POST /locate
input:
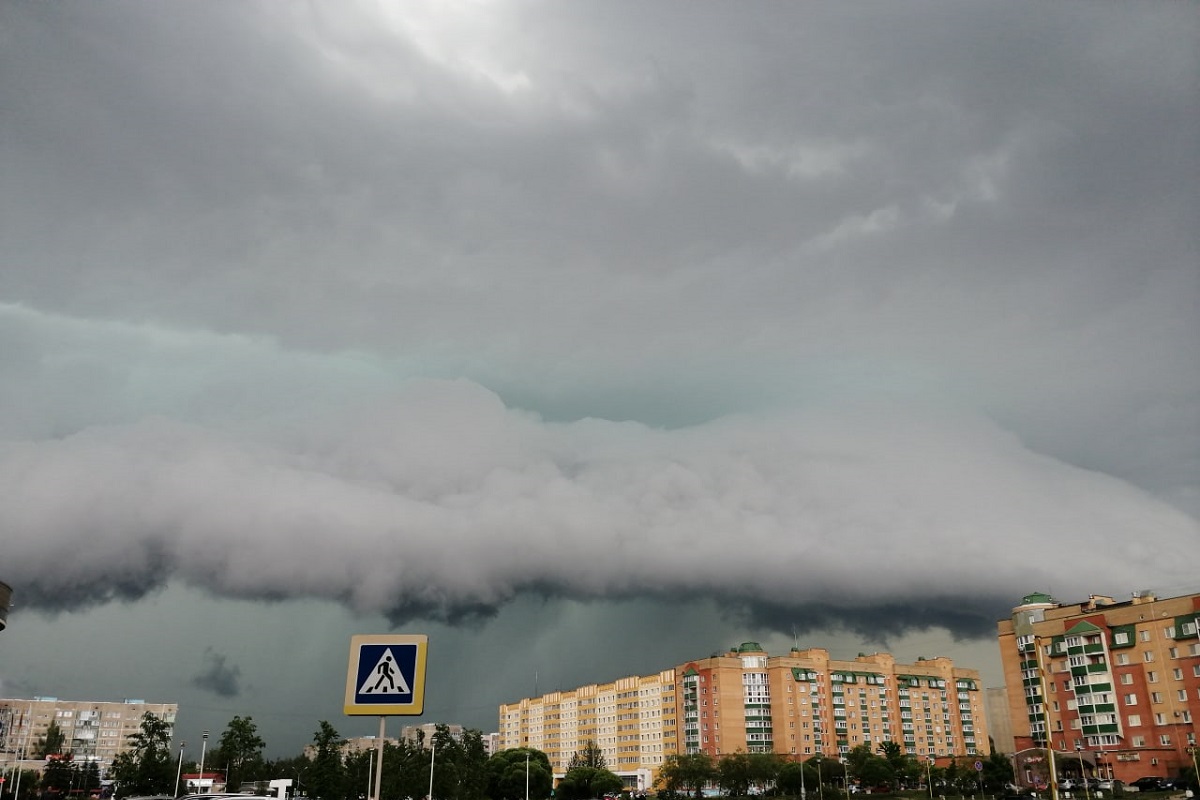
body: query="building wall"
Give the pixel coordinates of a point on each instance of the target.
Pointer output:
(93, 730)
(797, 705)
(1112, 685)
(806, 703)
(631, 720)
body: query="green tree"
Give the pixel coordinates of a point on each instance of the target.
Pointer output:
(326, 777)
(790, 781)
(764, 770)
(583, 782)
(733, 774)
(146, 766)
(997, 770)
(52, 743)
(689, 773)
(58, 774)
(240, 750)
(508, 771)
(589, 756)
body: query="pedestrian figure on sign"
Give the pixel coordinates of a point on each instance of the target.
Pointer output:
(385, 674)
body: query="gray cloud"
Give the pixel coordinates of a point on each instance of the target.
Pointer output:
(218, 676)
(821, 317)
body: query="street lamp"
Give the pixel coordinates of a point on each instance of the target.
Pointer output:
(929, 775)
(1083, 778)
(846, 767)
(203, 748)
(803, 791)
(820, 781)
(179, 769)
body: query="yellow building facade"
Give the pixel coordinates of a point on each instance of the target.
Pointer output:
(92, 730)
(797, 705)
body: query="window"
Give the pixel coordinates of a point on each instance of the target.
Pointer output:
(1156, 697)
(1145, 635)
(1134, 720)
(1131, 699)
(1147, 655)
(1160, 719)
(1122, 659)
(1181, 695)
(1121, 637)
(1165, 739)
(1151, 677)
(1139, 741)
(1127, 679)
(1177, 674)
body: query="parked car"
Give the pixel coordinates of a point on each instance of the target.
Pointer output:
(1110, 785)
(1147, 783)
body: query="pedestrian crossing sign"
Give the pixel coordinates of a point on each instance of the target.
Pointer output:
(386, 675)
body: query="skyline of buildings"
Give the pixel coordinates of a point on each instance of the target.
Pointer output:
(797, 705)
(92, 730)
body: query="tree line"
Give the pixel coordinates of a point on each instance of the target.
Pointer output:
(459, 768)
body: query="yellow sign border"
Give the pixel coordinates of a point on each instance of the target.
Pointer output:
(416, 707)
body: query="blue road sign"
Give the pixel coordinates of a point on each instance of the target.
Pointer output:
(386, 676)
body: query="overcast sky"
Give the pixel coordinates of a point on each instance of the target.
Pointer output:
(585, 337)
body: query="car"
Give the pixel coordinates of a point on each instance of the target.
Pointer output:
(1109, 785)
(1067, 784)
(1147, 783)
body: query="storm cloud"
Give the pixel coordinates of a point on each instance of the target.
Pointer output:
(860, 319)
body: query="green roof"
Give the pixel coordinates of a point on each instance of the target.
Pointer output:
(1036, 597)
(750, 647)
(1084, 627)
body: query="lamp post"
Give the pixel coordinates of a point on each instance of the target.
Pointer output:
(803, 791)
(929, 775)
(432, 756)
(179, 769)
(820, 781)
(1083, 778)
(526, 775)
(845, 766)
(203, 748)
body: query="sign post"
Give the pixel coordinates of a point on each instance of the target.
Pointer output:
(386, 676)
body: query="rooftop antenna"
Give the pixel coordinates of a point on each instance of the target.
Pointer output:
(535, 682)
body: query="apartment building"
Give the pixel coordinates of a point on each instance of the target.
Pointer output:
(805, 703)
(798, 705)
(92, 730)
(631, 720)
(1112, 687)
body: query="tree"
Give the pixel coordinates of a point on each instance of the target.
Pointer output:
(733, 774)
(52, 743)
(589, 756)
(689, 772)
(240, 749)
(510, 771)
(327, 775)
(789, 779)
(583, 782)
(146, 767)
(56, 777)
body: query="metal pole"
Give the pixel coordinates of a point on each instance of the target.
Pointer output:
(1037, 651)
(526, 775)
(370, 772)
(179, 769)
(379, 766)
(432, 752)
(1087, 794)
(203, 748)
(929, 775)
(820, 781)
(803, 791)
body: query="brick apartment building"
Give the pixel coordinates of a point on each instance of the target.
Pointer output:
(1113, 687)
(92, 730)
(797, 705)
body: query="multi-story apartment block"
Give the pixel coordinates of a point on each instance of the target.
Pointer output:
(806, 703)
(797, 705)
(631, 720)
(1110, 687)
(92, 731)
